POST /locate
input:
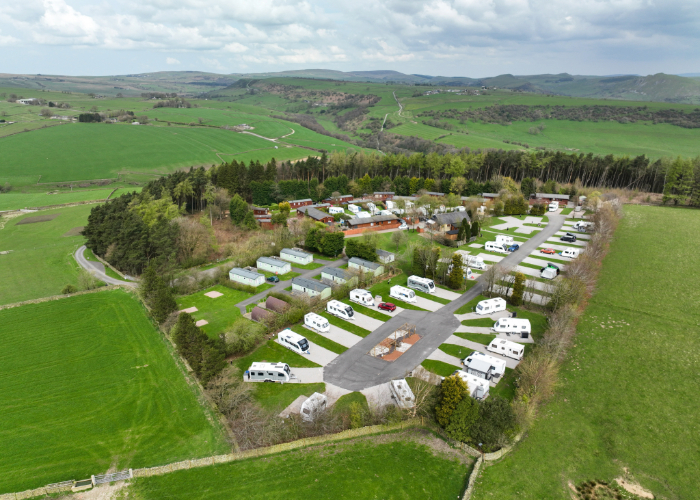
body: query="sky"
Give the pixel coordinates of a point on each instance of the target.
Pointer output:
(474, 38)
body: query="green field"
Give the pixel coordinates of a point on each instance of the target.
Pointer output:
(394, 466)
(439, 367)
(276, 397)
(220, 312)
(272, 352)
(88, 384)
(619, 405)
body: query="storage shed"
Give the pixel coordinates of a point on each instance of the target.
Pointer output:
(296, 256)
(246, 277)
(366, 266)
(311, 288)
(275, 304)
(273, 265)
(259, 314)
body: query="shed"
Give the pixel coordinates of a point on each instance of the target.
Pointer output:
(365, 266)
(335, 275)
(296, 256)
(312, 288)
(273, 265)
(385, 257)
(275, 304)
(246, 277)
(259, 314)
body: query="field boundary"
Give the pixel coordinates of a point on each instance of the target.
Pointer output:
(59, 297)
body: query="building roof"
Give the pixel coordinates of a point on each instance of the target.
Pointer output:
(553, 196)
(299, 201)
(490, 195)
(383, 253)
(364, 263)
(314, 213)
(367, 220)
(314, 285)
(435, 193)
(480, 365)
(384, 192)
(273, 262)
(319, 205)
(453, 231)
(245, 273)
(295, 252)
(258, 313)
(334, 271)
(275, 304)
(260, 208)
(451, 218)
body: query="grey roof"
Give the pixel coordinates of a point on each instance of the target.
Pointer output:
(383, 253)
(245, 273)
(451, 218)
(273, 262)
(480, 365)
(334, 271)
(261, 208)
(553, 196)
(275, 304)
(298, 201)
(376, 218)
(384, 192)
(311, 284)
(490, 195)
(364, 263)
(314, 213)
(296, 253)
(435, 193)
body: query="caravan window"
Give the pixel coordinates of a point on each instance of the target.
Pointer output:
(303, 344)
(286, 368)
(411, 294)
(261, 374)
(431, 285)
(280, 375)
(349, 311)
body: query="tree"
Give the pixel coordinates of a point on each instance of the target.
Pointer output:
(237, 210)
(496, 420)
(249, 220)
(475, 229)
(550, 187)
(518, 289)
(398, 238)
(452, 391)
(46, 113)
(417, 269)
(367, 250)
(162, 303)
(528, 187)
(332, 243)
(679, 181)
(465, 415)
(279, 218)
(285, 208)
(458, 185)
(457, 273)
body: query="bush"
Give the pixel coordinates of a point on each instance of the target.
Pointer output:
(452, 391)
(238, 286)
(243, 336)
(281, 296)
(68, 289)
(518, 289)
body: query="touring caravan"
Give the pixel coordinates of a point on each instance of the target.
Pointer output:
(402, 293)
(268, 372)
(362, 297)
(478, 387)
(582, 226)
(572, 253)
(492, 246)
(554, 206)
(337, 308)
(317, 323)
(517, 326)
(504, 239)
(293, 341)
(476, 262)
(548, 273)
(507, 348)
(402, 394)
(335, 210)
(390, 204)
(421, 284)
(490, 306)
(353, 208)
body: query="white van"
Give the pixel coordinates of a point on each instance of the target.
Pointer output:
(343, 311)
(517, 326)
(476, 262)
(268, 372)
(421, 284)
(504, 239)
(317, 323)
(548, 273)
(477, 386)
(460, 209)
(492, 246)
(335, 210)
(353, 208)
(572, 253)
(293, 341)
(362, 297)
(507, 348)
(402, 293)
(554, 206)
(490, 306)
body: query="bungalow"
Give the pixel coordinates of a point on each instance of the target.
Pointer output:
(365, 266)
(315, 214)
(261, 212)
(489, 196)
(376, 223)
(384, 195)
(301, 203)
(333, 275)
(385, 257)
(296, 256)
(547, 198)
(246, 277)
(311, 288)
(450, 221)
(273, 265)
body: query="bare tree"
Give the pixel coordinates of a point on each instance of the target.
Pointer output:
(492, 278)
(398, 238)
(192, 239)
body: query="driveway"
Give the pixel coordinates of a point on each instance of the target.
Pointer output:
(447, 294)
(306, 375)
(366, 322)
(98, 269)
(340, 336)
(438, 355)
(540, 262)
(318, 354)
(428, 305)
(555, 256)
(560, 245)
(578, 242)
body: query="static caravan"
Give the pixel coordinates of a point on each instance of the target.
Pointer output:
(402, 394)
(268, 372)
(402, 293)
(271, 265)
(315, 404)
(362, 297)
(478, 387)
(490, 306)
(317, 323)
(504, 239)
(484, 366)
(493, 246)
(476, 262)
(246, 277)
(548, 273)
(296, 256)
(517, 326)
(365, 266)
(572, 253)
(421, 284)
(341, 310)
(507, 348)
(312, 288)
(293, 341)
(353, 208)
(336, 210)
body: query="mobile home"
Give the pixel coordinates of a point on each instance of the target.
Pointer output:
(341, 310)
(507, 348)
(365, 266)
(478, 387)
(362, 297)
(293, 341)
(336, 276)
(493, 246)
(246, 277)
(484, 366)
(421, 284)
(402, 394)
(272, 265)
(402, 293)
(490, 306)
(572, 253)
(296, 256)
(312, 288)
(317, 323)
(336, 210)
(353, 208)
(517, 326)
(268, 372)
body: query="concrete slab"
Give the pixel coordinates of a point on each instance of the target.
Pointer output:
(342, 337)
(528, 271)
(579, 235)
(474, 329)
(306, 375)
(378, 395)
(510, 362)
(317, 354)
(487, 257)
(295, 407)
(494, 316)
(476, 245)
(214, 294)
(438, 355)
(560, 246)
(540, 262)
(366, 322)
(447, 294)
(428, 305)
(189, 310)
(334, 393)
(555, 256)
(527, 229)
(579, 243)
(201, 322)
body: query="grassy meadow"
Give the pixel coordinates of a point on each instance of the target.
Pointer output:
(87, 384)
(220, 313)
(629, 386)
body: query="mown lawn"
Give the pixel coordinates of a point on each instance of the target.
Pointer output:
(439, 367)
(457, 351)
(619, 405)
(349, 326)
(319, 339)
(276, 397)
(479, 322)
(220, 312)
(372, 313)
(272, 352)
(313, 265)
(480, 338)
(87, 384)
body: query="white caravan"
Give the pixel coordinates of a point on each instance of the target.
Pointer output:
(385, 212)
(343, 311)
(390, 204)
(397, 211)
(554, 206)
(421, 284)
(317, 323)
(490, 306)
(460, 209)
(507, 348)
(402, 394)
(335, 210)
(504, 239)
(353, 208)
(492, 246)
(363, 215)
(312, 406)
(362, 297)
(268, 372)
(478, 387)
(548, 273)
(517, 326)
(484, 366)
(572, 253)
(476, 262)
(402, 293)
(582, 226)
(293, 341)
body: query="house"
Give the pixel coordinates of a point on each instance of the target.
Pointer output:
(450, 221)
(275, 304)
(315, 214)
(340, 200)
(365, 266)
(273, 265)
(300, 203)
(312, 288)
(261, 212)
(333, 275)
(546, 199)
(376, 223)
(296, 256)
(385, 257)
(384, 195)
(489, 196)
(259, 314)
(246, 277)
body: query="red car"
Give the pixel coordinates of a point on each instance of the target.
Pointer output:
(387, 306)
(548, 250)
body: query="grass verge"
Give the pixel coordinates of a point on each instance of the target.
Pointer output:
(345, 325)
(319, 339)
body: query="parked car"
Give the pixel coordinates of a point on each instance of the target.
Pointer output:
(568, 237)
(513, 247)
(551, 266)
(403, 226)
(273, 279)
(387, 306)
(549, 251)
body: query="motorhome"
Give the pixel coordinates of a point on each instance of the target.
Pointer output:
(402, 394)
(421, 284)
(572, 253)
(504, 239)
(343, 311)
(582, 226)
(268, 372)
(293, 341)
(554, 206)
(484, 366)
(335, 210)
(362, 297)
(402, 293)
(490, 306)
(317, 323)
(517, 326)
(507, 348)
(492, 246)
(476, 262)
(478, 387)
(548, 273)
(353, 208)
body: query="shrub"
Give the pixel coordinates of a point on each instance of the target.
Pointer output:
(68, 289)
(243, 336)
(462, 420)
(518, 289)
(452, 391)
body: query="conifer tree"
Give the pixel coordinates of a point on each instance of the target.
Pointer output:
(249, 220)
(456, 276)
(452, 391)
(465, 415)
(518, 289)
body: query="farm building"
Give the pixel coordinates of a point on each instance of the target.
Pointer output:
(300, 203)
(311, 288)
(259, 314)
(26, 101)
(384, 195)
(365, 266)
(450, 221)
(246, 277)
(275, 304)
(273, 265)
(385, 257)
(334, 275)
(546, 198)
(315, 214)
(376, 223)
(296, 256)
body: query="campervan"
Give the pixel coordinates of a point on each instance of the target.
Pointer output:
(490, 306)
(335, 210)
(337, 308)
(402, 293)
(317, 323)
(421, 284)
(506, 348)
(478, 387)
(362, 297)
(353, 208)
(517, 326)
(268, 372)
(293, 341)
(548, 273)
(476, 262)
(572, 253)
(554, 206)
(504, 239)
(403, 395)
(492, 246)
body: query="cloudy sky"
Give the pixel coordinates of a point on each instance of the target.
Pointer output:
(473, 38)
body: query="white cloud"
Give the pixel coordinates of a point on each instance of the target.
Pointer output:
(171, 60)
